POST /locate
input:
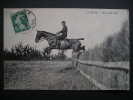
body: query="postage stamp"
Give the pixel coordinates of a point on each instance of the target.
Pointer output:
(22, 21)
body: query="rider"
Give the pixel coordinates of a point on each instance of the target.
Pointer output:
(63, 31)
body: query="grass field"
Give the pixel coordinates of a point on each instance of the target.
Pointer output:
(44, 75)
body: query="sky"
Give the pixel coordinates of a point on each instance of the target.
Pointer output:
(94, 25)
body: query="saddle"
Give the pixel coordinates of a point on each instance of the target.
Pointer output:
(60, 42)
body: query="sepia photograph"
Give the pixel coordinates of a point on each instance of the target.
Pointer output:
(66, 49)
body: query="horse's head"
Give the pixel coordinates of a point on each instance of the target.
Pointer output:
(38, 36)
(46, 35)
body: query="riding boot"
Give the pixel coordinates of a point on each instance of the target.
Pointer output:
(59, 44)
(56, 42)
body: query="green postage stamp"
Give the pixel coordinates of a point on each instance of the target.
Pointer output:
(22, 22)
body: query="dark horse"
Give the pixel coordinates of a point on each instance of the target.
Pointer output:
(74, 44)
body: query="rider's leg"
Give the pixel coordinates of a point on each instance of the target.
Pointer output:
(61, 37)
(58, 42)
(55, 41)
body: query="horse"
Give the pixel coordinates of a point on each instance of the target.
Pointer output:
(65, 44)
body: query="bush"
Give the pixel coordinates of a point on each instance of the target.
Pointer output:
(21, 52)
(60, 56)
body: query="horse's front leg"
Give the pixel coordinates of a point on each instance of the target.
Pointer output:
(49, 51)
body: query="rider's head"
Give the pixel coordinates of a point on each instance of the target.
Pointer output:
(63, 23)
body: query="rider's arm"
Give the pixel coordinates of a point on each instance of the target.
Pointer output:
(63, 29)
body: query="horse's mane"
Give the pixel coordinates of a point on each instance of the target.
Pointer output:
(48, 33)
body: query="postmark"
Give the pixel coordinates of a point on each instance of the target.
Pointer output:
(23, 21)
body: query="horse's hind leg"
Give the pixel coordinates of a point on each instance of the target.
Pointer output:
(82, 48)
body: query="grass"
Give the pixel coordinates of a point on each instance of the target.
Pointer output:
(44, 75)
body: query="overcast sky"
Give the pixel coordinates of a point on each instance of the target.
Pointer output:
(94, 25)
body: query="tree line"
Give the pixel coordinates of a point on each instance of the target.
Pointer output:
(114, 48)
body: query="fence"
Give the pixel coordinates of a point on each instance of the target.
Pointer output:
(104, 75)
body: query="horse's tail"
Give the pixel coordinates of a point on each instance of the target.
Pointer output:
(76, 39)
(80, 39)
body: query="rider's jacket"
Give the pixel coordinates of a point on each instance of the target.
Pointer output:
(64, 31)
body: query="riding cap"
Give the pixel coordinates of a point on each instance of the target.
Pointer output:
(63, 21)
